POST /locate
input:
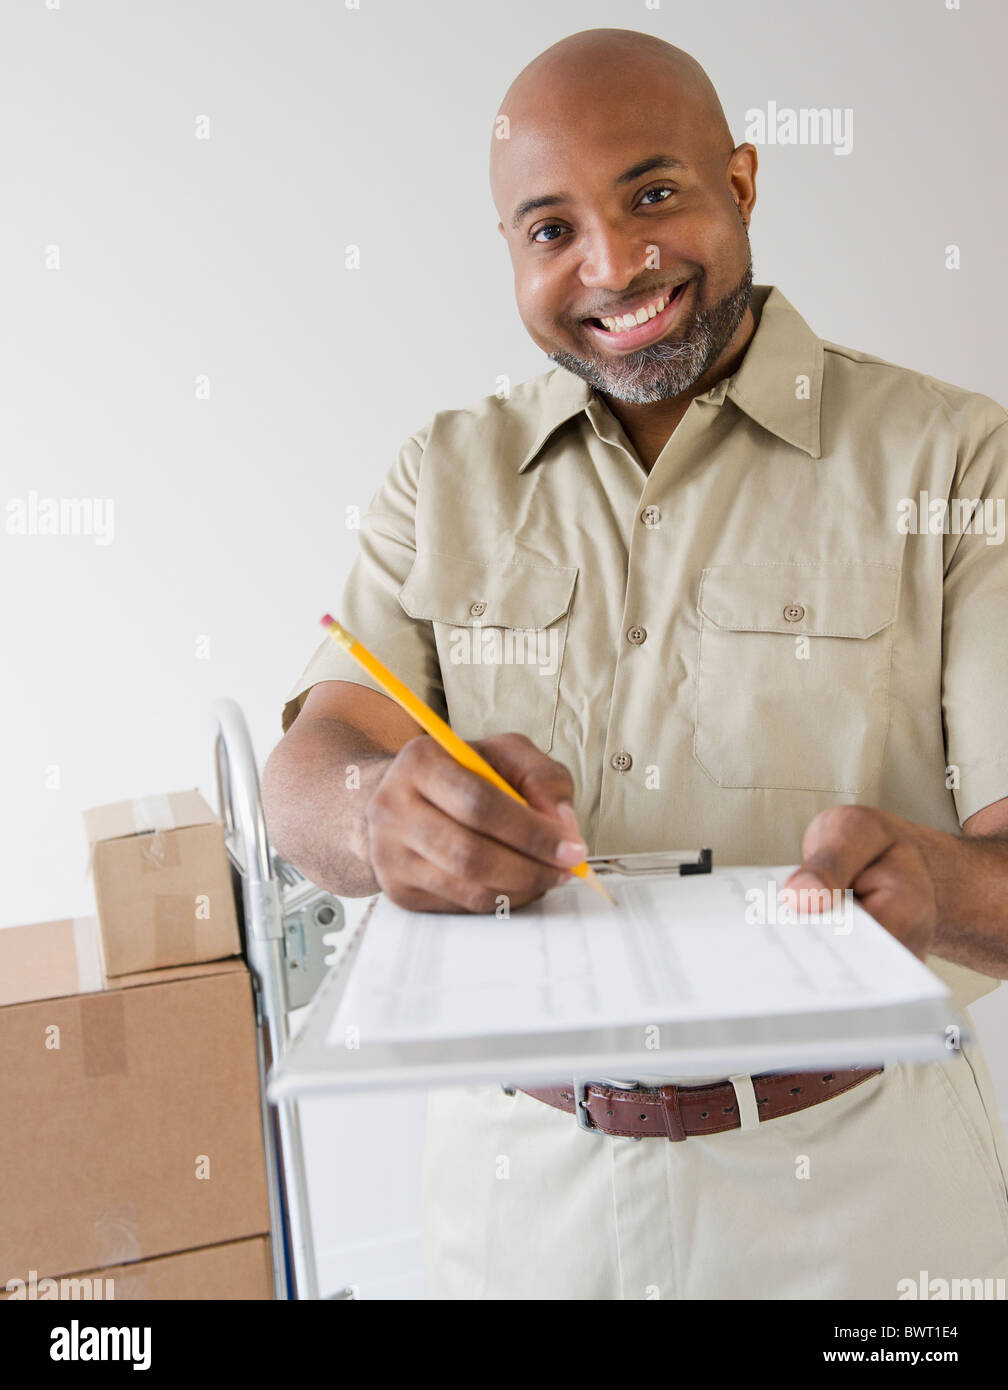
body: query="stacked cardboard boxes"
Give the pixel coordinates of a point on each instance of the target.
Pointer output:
(133, 1159)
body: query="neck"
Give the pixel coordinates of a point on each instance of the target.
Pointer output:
(649, 427)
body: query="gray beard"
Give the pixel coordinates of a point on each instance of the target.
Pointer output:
(662, 371)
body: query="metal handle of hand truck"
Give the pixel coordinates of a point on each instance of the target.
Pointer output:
(240, 807)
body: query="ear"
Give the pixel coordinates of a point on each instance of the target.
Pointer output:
(500, 228)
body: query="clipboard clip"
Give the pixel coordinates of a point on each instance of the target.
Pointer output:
(666, 861)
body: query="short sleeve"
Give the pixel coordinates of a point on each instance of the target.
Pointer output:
(369, 605)
(975, 628)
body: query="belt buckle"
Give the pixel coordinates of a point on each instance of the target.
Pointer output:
(584, 1120)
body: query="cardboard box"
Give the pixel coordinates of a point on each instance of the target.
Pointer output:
(239, 1269)
(131, 1109)
(162, 882)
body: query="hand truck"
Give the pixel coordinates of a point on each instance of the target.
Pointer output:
(284, 921)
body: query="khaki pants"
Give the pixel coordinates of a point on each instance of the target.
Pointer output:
(903, 1174)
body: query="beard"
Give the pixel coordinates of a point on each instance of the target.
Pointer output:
(661, 371)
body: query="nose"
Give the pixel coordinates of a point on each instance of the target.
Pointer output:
(611, 259)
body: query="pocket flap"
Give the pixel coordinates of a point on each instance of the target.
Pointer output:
(821, 600)
(455, 589)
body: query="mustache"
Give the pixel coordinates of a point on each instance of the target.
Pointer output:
(665, 369)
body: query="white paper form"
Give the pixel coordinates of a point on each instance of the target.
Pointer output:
(673, 949)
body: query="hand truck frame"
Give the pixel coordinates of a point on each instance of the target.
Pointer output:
(284, 921)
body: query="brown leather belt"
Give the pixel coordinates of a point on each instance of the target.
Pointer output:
(678, 1112)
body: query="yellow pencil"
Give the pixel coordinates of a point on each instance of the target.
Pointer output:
(434, 725)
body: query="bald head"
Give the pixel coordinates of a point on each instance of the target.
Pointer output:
(607, 77)
(626, 210)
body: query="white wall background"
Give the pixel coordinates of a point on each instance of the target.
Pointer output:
(224, 257)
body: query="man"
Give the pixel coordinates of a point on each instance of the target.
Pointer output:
(700, 516)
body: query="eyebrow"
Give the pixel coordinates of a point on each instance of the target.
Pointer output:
(646, 166)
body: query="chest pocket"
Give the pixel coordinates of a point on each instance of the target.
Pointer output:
(793, 674)
(501, 629)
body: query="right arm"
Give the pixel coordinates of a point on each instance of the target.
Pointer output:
(315, 814)
(410, 821)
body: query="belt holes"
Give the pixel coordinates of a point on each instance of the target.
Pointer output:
(762, 1100)
(703, 1114)
(643, 1117)
(795, 1090)
(727, 1109)
(826, 1079)
(608, 1112)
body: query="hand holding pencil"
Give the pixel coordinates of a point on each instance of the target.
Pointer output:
(466, 756)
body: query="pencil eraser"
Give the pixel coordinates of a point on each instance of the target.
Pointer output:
(328, 620)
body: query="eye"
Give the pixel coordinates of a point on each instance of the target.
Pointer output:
(665, 188)
(662, 194)
(548, 226)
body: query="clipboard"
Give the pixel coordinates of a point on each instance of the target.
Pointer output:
(666, 861)
(493, 1049)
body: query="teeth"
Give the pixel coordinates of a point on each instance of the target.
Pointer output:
(623, 322)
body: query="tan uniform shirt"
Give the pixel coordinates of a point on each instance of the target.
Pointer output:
(717, 651)
(783, 615)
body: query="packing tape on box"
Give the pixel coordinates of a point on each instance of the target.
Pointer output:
(152, 817)
(117, 1236)
(154, 813)
(87, 948)
(174, 928)
(103, 1034)
(158, 851)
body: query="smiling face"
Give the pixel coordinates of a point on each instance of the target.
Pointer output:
(625, 210)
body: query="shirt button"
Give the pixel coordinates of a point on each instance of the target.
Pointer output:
(637, 635)
(650, 516)
(622, 762)
(477, 609)
(794, 612)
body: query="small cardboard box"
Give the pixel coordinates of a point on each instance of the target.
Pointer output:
(162, 882)
(238, 1269)
(131, 1109)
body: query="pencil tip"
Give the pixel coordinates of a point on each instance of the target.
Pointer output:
(593, 880)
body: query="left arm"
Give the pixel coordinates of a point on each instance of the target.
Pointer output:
(937, 893)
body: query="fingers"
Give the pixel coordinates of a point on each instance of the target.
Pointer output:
(898, 892)
(838, 844)
(471, 801)
(865, 849)
(441, 838)
(421, 886)
(468, 871)
(541, 780)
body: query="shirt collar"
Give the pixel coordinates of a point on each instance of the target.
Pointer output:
(778, 384)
